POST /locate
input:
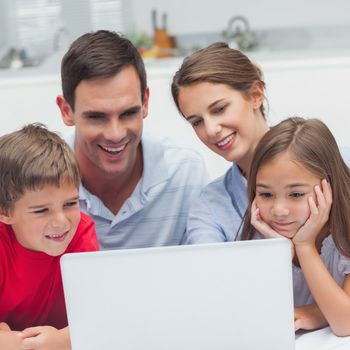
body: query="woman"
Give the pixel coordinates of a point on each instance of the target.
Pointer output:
(221, 93)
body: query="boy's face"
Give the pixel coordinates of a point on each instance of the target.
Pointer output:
(45, 220)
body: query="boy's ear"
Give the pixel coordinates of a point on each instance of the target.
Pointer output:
(5, 218)
(66, 110)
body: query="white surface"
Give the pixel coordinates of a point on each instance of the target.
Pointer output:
(199, 297)
(308, 83)
(193, 16)
(322, 339)
(304, 83)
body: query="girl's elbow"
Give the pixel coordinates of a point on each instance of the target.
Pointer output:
(341, 331)
(340, 325)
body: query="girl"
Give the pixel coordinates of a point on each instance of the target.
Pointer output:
(220, 92)
(299, 188)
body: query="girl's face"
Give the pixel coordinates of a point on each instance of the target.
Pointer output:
(282, 189)
(225, 120)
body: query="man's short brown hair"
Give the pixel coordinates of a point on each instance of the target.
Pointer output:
(99, 54)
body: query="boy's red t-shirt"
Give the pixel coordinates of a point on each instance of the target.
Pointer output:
(31, 291)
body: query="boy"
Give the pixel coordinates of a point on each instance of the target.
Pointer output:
(40, 220)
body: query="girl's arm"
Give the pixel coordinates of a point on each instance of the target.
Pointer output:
(333, 301)
(309, 317)
(46, 338)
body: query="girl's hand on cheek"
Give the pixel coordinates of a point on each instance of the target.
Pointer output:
(262, 227)
(319, 215)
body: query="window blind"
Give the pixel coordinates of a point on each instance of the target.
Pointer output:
(37, 23)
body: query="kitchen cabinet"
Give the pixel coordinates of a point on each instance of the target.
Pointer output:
(314, 88)
(308, 85)
(29, 99)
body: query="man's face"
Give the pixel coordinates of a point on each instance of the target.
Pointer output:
(108, 117)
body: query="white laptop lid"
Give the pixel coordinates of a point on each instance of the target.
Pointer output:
(235, 295)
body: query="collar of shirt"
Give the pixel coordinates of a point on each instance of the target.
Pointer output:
(155, 172)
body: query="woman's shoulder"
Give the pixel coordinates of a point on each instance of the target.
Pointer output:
(215, 197)
(231, 184)
(216, 187)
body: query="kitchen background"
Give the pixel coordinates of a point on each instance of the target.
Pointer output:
(302, 46)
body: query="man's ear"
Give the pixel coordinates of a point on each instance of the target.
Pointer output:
(145, 103)
(66, 110)
(5, 218)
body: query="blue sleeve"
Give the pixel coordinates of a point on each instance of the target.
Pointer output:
(212, 216)
(201, 224)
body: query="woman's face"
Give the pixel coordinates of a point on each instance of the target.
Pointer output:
(224, 119)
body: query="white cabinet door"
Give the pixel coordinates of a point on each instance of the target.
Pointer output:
(28, 100)
(313, 92)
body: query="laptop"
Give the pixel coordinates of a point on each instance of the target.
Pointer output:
(221, 296)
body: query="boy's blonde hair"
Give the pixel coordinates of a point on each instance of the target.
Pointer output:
(31, 158)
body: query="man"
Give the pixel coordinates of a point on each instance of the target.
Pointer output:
(137, 188)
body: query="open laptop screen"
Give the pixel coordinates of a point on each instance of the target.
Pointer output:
(235, 295)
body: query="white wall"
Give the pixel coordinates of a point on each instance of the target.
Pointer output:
(309, 87)
(194, 16)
